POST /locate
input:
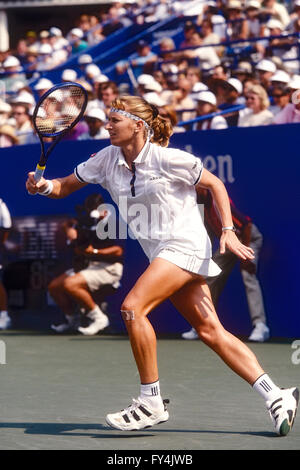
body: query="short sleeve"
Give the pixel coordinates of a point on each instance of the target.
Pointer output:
(93, 170)
(5, 218)
(184, 166)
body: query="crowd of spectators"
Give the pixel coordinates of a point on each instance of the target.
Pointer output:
(237, 65)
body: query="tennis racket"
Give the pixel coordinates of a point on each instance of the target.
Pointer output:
(56, 113)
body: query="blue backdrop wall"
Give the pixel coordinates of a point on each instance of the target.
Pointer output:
(260, 168)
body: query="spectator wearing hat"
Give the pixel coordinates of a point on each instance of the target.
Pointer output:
(167, 53)
(95, 119)
(32, 60)
(5, 110)
(8, 136)
(265, 69)
(59, 46)
(283, 47)
(237, 25)
(242, 71)
(141, 62)
(294, 25)
(277, 11)
(13, 72)
(76, 40)
(233, 97)
(45, 58)
(256, 112)
(280, 94)
(69, 75)
(43, 85)
(207, 104)
(256, 25)
(91, 71)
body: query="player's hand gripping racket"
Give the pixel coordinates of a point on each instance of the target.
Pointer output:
(58, 110)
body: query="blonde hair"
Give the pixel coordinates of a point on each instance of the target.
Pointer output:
(161, 127)
(262, 94)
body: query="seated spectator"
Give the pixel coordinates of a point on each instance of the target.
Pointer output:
(207, 104)
(91, 72)
(206, 56)
(265, 69)
(95, 33)
(219, 71)
(280, 77)
(257, 112)
(277, 11)
(45, 58)
(285, 48)
(8, 136)
(76, 40)
(237, 25)
(233, 97)
(141, 62)
(294, 25)
(69, 75)
(182, 102)
(212, 12)
(12, 69)
(256, 25)
(281, 97)
(290, 114)
(5, 110)
(42, 86)
(107, 93)
(188, 30)
(113, 22)
(209, 37)
(167, 54)
(242, 71)
(95, 119)
(23, 123)
(59, 46)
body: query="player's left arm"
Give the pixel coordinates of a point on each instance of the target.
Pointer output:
(228, 238)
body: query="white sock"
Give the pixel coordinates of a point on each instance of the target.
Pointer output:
(266, 387)
(96, 311)
(151, 394)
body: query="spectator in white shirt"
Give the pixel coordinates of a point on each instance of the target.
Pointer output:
(96, 120)
(207, 104)
(257, 112)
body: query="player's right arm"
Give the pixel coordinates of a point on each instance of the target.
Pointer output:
(62, 187)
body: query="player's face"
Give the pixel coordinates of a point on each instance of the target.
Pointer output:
(121, 129)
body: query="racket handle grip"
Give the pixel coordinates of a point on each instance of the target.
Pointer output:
(39, 171)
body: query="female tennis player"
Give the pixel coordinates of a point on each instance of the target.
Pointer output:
(141, 175)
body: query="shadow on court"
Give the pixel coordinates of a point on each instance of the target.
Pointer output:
(104, 432)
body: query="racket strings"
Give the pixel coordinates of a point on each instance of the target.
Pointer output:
(59, 110)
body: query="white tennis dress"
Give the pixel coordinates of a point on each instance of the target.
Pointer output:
(158, 202)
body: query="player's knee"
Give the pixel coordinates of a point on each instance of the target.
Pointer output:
(129, 309)
(210, 335)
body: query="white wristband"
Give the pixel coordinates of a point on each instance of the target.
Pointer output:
(48, 189)
(229, 228)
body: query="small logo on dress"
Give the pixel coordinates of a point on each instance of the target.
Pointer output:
(93, 154)
(153, 178)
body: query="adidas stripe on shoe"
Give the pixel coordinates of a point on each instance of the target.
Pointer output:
(283, 410)
(138, 416)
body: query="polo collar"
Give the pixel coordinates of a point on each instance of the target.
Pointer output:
(139, 159)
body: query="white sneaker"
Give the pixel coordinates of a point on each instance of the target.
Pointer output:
(72, 323)
(191, 334)
(5, 321)
(99, 322)
(283, 410)
(139, 415)
(260, 333)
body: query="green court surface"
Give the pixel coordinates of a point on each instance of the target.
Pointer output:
(56, 391)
